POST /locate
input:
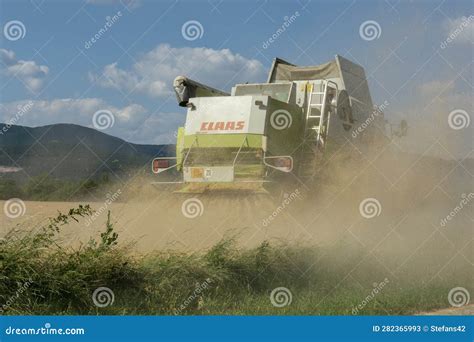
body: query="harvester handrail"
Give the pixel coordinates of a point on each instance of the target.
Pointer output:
(238, 152)
(293, 84)
(335, 85)
(363, 104)
(335, 98)
(189, 150)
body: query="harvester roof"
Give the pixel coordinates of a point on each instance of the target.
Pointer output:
(284, 71)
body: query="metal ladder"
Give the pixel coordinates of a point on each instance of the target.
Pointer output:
(315, 113)
(316, 116)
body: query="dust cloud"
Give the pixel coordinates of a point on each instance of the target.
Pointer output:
(409, 212)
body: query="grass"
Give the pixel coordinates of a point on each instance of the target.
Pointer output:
(39, 275)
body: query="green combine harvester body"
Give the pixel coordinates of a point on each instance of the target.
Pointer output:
(268, 132)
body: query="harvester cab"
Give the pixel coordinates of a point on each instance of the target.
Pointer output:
(266, 132)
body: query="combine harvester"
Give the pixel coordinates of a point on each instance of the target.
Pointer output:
(264, 133)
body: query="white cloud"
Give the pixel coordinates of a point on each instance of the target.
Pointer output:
(132, 122)
(460, 30)
(30, 73)
(78, 111)
(7, 57)
(154, 72)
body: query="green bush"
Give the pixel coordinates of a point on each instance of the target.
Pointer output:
(62, 279)
(40, 275)
(9, 189)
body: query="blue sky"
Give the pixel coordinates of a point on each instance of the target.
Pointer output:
(129, 69)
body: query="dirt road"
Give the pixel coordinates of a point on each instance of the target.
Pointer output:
(395, 205)
(180, 221)
(462, 311)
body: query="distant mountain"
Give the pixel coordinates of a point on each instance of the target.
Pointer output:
(70, 151)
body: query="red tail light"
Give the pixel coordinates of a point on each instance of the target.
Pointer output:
(160, 164)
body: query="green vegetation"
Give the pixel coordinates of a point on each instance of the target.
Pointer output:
(46, 188)
(40, 275)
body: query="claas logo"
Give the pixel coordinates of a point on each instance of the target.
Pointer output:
(223, 126)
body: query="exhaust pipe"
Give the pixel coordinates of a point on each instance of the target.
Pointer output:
(186, 88)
